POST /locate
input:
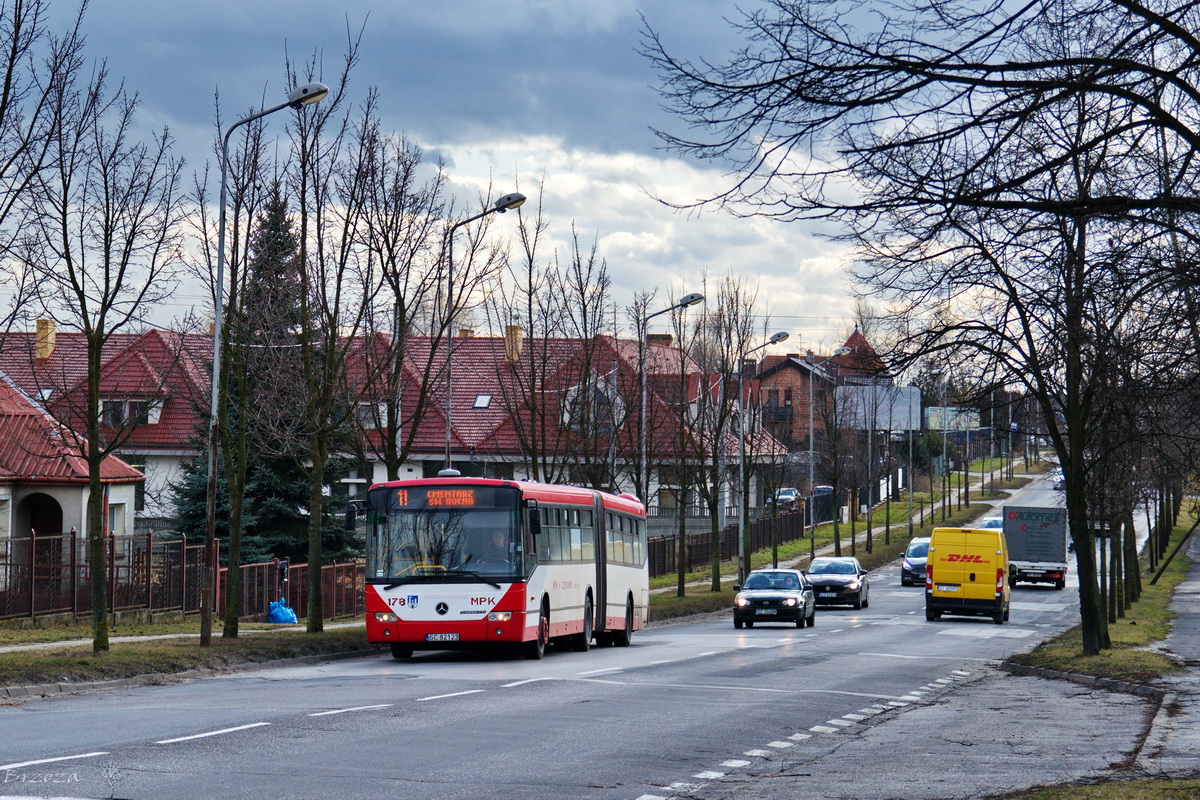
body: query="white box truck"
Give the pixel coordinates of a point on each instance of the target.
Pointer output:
(1037, 544)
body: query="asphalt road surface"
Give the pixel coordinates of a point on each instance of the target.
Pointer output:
(685, 704)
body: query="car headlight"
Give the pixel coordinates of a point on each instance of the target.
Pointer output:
(385, 616)
(853, 585)
(908, 564)
(741, 602)
(791, 601)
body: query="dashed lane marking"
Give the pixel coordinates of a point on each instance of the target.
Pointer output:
(598, 671)
(780, 745)
(348, 710)
(212, 733)
(20, 764)
(758, 753)
(823, 729)
(452, 694)
(800, 737)
(709, 775)
(735, 763)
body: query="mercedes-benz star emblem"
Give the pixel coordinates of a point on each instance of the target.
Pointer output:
(442, 608)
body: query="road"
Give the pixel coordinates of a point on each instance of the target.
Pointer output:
(684, 703)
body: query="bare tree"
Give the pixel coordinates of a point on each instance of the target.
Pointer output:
(103, 241)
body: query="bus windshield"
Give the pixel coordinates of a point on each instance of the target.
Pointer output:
(434, 532)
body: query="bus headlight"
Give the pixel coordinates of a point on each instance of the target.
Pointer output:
(385, 616)
(500, 616)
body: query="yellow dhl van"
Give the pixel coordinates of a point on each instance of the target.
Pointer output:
(967, 573)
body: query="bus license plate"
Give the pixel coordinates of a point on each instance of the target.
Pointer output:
(766, 611)
(441, 637)
(947, 587)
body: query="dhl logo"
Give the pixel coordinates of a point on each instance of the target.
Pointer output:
(964, 559)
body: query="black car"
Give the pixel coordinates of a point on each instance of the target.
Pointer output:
(774, 595)
(839, 580)
(912, 570)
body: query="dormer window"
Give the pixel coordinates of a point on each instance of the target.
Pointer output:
(126, 413)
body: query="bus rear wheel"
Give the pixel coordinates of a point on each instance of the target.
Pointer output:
(536, 649)
(581, 642)
(622, 638)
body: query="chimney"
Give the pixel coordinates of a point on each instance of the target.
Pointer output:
(793, 355)
(44, 338)
(659, 339)
(514, 337)
(466, 333)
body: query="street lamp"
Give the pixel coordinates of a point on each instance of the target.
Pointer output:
(508, 201)
(812, 495)
(643, 347)
(743, 515)
(305, 95)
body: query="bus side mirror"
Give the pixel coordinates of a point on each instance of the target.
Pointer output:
(534, 513)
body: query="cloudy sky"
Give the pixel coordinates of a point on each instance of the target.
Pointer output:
(502, 91)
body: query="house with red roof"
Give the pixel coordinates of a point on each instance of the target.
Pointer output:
(787, 383)
(44, 485)
(552, 409)
(153, 388)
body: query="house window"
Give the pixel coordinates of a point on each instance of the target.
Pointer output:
(370, 416)
(773, 398)
(125, 413)
(482, 401)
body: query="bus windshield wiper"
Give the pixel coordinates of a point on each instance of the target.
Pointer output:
(473, 574)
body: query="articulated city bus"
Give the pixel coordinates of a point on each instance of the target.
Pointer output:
(469, 562)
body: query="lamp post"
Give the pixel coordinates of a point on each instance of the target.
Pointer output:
(812, 496)
(508, 201)
(305, 95)
(644, 349)
(743, 515)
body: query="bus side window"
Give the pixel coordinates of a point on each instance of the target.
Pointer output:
(576, 543)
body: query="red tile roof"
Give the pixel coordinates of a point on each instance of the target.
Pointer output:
(35, 448)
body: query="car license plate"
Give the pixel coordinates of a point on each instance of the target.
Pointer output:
(827, 594)
(441, 637)
(947, 587)
(766, 611)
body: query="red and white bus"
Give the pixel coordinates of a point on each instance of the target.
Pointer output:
(469, 562)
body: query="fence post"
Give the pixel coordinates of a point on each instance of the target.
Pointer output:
(32, 574)
(74, 574)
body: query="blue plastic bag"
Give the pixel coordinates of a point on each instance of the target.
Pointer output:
(281, 613)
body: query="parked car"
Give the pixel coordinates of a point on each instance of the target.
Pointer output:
(839, 580)
(774, 595)
(912, 569)
(992, 523)
(1060, 481)
(787, 497)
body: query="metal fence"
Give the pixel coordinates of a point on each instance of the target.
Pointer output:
(48, 575)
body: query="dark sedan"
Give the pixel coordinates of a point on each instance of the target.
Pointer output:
(774, 595)
(839, 580)
(912, 570)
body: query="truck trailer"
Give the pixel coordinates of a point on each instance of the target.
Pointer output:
(1037, 544)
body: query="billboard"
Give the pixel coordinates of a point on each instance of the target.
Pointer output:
(880, 408)
(951, 418)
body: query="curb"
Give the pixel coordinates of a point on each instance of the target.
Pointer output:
(44, 690)
(1111, 684)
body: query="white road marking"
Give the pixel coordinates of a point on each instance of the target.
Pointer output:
(944, 681)
(452, 694)
(800, 737)
(841, 723)
(522, 683)
(348, 710)
(780, 745)
(709, 775)
(911, 698)
(853, 717)
(823, 729)
(651, 797)
(213, 733)
(896, 704)
(995, 632)
(758, 753)
(735, 763)
(20, 764)
(960, 672)
(598, 671)
(709, 653)
(664, 661)
(870, 711)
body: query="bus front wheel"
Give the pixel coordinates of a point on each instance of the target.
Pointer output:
(581, 642)
(537, 648)
(400, 651)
